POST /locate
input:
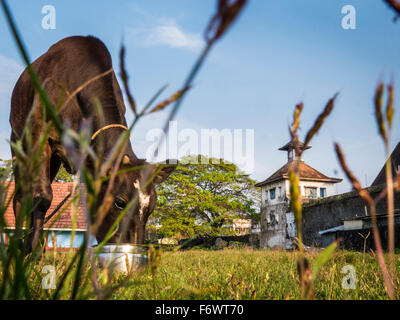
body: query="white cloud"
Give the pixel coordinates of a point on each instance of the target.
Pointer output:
(10, 70)
(162, 31)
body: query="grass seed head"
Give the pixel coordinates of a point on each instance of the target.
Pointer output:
(296, 117)
(378, 111)
(295, 196)
(177, 95)
(320, 120)
(355, 183)
(227, 13)
(390, 105)
(124, 77)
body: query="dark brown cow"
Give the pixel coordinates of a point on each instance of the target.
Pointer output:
(70, 63)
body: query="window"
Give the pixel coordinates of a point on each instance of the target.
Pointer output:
(310, 192)
(290, 155)
(280, 191)
(272, 194)
(322, 192)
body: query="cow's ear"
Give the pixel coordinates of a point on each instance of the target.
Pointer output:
(164, 170)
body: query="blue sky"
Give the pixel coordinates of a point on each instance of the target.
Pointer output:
(277, 54)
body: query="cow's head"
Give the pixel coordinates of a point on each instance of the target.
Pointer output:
(137, 183)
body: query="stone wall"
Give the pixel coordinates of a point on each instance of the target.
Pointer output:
(273, 225)
(329, 212)
(351, 240)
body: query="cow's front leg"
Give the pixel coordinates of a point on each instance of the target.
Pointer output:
(41, 205)
(42, 197)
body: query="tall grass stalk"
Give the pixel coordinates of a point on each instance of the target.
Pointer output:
(306, 276)
(384, 129)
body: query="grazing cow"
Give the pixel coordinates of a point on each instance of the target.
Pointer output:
(63, 69)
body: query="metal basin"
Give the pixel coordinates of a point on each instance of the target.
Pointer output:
(124, 258)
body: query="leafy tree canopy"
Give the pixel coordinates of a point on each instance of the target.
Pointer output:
(63, 175)
(6, 168)
(203, 197)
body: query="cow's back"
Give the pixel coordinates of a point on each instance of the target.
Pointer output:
(69, 63)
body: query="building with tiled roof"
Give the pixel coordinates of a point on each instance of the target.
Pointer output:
(347, 217)
(395, 164)
(306, 172)
(61, 226)
(277, 222)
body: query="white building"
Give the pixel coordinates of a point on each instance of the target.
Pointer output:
(278, 226)
(242, 226)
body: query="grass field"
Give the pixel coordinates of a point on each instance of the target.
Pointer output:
(253, 274)
(238, 274)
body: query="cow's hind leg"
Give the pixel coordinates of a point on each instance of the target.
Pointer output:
(17, 207)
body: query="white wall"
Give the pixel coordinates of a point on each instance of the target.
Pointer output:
(330, 189)
(274, 234)
(279, 197)
(285, 190)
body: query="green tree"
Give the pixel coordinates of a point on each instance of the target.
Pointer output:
(6, 168)
(203, 197)
(63, 175)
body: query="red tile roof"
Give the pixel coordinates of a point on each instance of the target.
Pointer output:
(305, 172)
(60, 191)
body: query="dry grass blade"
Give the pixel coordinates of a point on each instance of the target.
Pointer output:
(378, 111)
(177, 95)
(295, 202)
(59, 206)
(295, 195)
(354, 181)
(225, 16)
(396, 186)
(305, 278)
(389, 181)
(367, 198)
(124, 77)
(296, 117)
(293, 129)
(396, 182)
(390, 105)
(320, 120)
(154, 259)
